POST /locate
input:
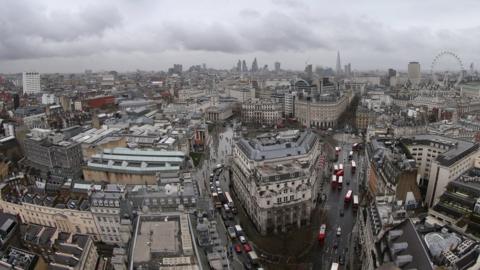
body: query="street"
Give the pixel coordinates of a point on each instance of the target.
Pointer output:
(333, 206)
(219, 151)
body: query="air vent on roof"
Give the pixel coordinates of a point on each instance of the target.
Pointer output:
(399, 247)
(394, 234)
(403, 260)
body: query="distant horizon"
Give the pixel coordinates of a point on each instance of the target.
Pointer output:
(54, 36)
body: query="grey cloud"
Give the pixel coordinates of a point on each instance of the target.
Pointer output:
(287, 26)
(39, 32)
(249, 13)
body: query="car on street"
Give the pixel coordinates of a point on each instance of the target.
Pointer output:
(335, 244)
(341, 259)
(339, 231)
(342, 212)
(238, 248)
(231, 232)
(247, 247)
(242, 239)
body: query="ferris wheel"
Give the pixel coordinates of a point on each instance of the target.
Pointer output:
(448, 75)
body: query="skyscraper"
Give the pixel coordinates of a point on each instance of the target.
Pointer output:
(31, 82)
(244, 66)
(348, 70)
(414, 75)
(338, 69)
(254, 65)
(309, 71)
(239, 65)
(277, 66)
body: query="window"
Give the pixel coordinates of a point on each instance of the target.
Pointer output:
(279, 200)
(285, 199)
(292, 197)
(268, 202)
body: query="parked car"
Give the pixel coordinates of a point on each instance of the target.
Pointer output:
(231, 232)
(339, 231)
(341, 259)
(242, 239)
(342, 212)
(238, 248)
(247, 247)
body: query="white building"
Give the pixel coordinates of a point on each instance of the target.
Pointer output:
(441, 160)
(48, 99)
(275, 178)
(414, 74)
(261, 111)
(31, 83)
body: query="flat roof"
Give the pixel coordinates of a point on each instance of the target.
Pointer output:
(254, 150)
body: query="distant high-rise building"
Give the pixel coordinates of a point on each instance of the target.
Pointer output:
(309, 71)
(239, 65)
(391, 73)
(338, 69)
(391, 77)
(265, 67)
(177, 68)
(244, 66)
(254, 65)
(277, 66)
(348, 70)
(414, 75)
(31, 82)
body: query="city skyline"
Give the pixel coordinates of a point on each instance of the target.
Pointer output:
(54, 36)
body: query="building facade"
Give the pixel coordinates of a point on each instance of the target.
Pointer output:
(133, 167)
(31, 83)
(322, 112)
(275, 178)
(440, 160)
(261, 111)
(52, 155)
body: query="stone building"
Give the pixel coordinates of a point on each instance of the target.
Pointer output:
(275, 178)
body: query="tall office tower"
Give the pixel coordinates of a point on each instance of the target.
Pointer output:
(414, 75)
(391, 73)
(309, 71)
(31, 83)
(254, 65)
(277, 66)
(338, 70)
(239, 65)
(177, 68)
(348, 70)
(244, 66)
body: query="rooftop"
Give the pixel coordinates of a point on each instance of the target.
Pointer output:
(455, 149)
(278, 145)
(163, 240)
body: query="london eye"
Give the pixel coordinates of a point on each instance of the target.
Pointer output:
(447, 76)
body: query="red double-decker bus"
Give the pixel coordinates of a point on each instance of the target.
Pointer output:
(321, 233)
(340, 171)
(334, 181)
(348, 196)
(354, 166)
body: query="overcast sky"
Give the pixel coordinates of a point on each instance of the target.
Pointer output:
(69, 36)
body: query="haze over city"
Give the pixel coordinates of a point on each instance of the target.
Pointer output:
(239, 135)
(66, 36)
